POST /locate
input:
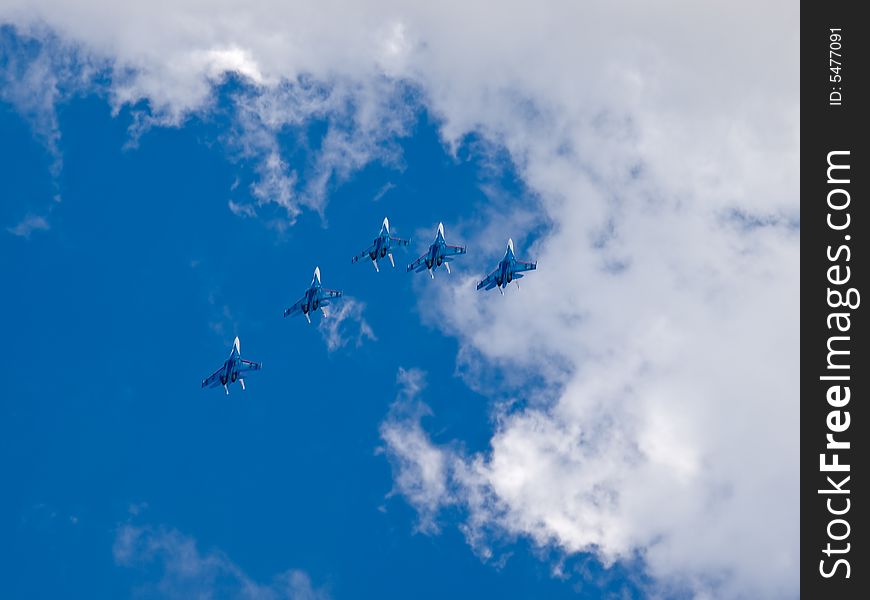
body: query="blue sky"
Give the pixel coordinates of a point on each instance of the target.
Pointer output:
(119, 312)
(165, 187)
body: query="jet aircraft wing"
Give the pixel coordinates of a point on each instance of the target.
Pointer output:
(327, 293)
(249, 365)
(489, 282)
(295, 309)
(214, 379)
(453, 250)
(418, 264)
(364, 253)
(521, 266)
(399, 241)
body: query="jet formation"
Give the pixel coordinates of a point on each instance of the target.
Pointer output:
(317, 297)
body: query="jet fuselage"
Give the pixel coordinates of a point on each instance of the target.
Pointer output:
(437, 251)
(311, 300)
(505, 267)
(231, 369)
(381, 244)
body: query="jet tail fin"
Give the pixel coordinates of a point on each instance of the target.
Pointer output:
(242, 382)
(392, 262)
(447, 266)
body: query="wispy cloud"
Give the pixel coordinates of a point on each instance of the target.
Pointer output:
(221, 318)
(242, 210)
(270, 116)
(420, 470)
(385, 189)
(344, 324)
(28, 225)
(38, 71)
(359, 125)
(184, 571)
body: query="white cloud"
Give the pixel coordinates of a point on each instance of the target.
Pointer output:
(344, 322)
(668, 422)
(185, 571)
(28, 225)
(221, 319)
(674, 432)
(36, 75)
(242, 210)
(420, 469)
(360, 125)
(662, 322)
(31, 78)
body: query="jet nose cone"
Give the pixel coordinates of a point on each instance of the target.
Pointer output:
(511, 244)
(441, 229)
(317, 273)
(236, 344)
(386, 224)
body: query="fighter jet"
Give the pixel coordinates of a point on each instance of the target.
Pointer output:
(381, 246)
(507, 270)
(232, 370)
(439, 252)
(316, 296)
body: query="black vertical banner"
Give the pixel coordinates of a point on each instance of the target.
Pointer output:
(835, 373)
